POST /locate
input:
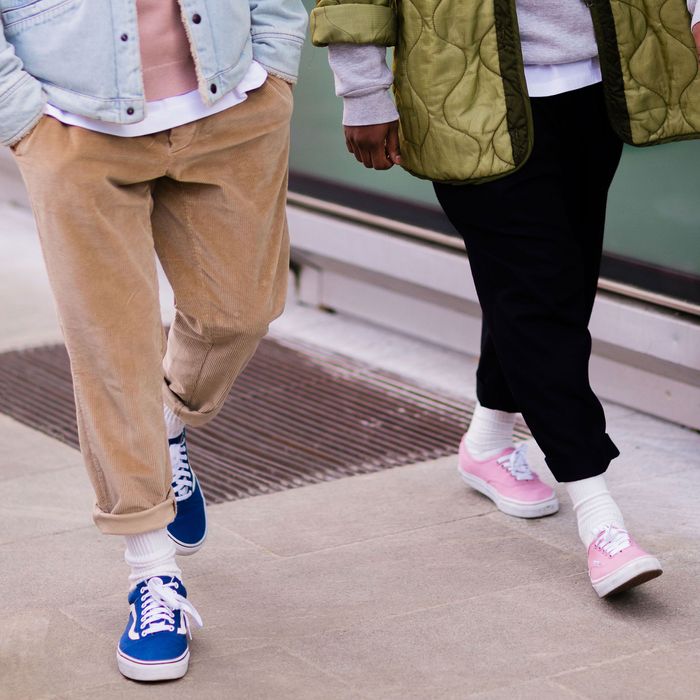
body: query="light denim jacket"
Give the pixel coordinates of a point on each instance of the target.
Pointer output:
(83, 55)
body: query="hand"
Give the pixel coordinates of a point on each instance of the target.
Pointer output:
(696, 34)
(375, 146)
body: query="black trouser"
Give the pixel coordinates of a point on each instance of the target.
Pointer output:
(534, 241)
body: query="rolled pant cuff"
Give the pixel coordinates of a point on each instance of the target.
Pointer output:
(593, 465)
(489, 399)
(191, 418)
(155, 518)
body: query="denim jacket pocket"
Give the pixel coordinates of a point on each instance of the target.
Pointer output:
(27, 13)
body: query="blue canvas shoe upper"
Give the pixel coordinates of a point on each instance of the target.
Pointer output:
(154, 645)
(189, 529)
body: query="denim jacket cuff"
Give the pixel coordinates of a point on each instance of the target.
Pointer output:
(279, 54)
(21, 108)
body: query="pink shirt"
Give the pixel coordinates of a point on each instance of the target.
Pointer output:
(168, 66)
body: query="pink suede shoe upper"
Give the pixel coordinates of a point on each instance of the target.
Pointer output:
(508, 472)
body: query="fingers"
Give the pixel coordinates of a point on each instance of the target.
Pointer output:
(380, 160)
(392, 144)
(352, 148)
(370, 151)
(357, 148)
(369, 144)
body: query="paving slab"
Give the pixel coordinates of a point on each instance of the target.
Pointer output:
(355, 584)
(43, 652)
(508, 637)
(662, 611)
(351, 510)
(540, 689)
(668, 673)
(45, 503)
(427, 607)
(26, 451)
(49, 571)
(257, 674)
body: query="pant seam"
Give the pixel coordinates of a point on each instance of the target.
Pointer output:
(97, 469)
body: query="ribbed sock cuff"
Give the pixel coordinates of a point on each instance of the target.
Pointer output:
(173, 425)
(150, 554)
(490, 432)
(595, 508)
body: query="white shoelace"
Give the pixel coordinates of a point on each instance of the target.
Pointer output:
(516, 463)
(183, 482)
(612, 540)
(158, 604)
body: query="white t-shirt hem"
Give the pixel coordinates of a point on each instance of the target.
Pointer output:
(169, 113)
(545, 81)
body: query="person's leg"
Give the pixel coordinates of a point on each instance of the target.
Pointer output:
(491, 427)
(221, 234)
(492, 388)
(586, 202)
(518, 254)
(92, 201)
(220, 229)
(487, 454)
(534, 241)
(490, 430)
(527, 265)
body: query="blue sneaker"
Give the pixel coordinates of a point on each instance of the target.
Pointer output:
(154, 646)
(189, 529)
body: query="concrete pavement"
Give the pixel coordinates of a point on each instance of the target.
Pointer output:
(401, 584)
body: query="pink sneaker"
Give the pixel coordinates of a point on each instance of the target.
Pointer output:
(509, 482)
(616, 562)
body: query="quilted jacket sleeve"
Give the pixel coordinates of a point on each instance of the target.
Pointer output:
(354, 22)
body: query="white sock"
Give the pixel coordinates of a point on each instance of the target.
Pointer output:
(490, 432)
(594, 507)
(150, 554)
(173, 424)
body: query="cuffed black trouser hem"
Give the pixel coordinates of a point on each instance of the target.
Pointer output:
(585, 466)
(496, 402)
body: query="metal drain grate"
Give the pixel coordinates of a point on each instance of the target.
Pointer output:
(298, 415)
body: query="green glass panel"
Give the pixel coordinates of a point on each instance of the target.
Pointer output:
(654, 210)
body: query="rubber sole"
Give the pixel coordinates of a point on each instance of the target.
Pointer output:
(185, 550)
(153, 671)
(634, 573)
(517, 509)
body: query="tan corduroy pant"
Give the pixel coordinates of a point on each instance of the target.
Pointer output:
(209, 199)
